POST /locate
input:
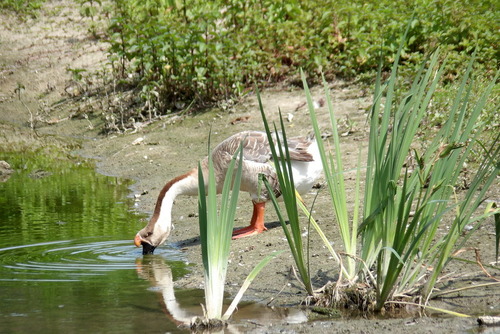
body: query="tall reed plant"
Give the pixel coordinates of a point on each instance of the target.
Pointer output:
(293, 202)
(216, 227)
(410, 194)
(347, 220)
(283, 167)
(406, 206)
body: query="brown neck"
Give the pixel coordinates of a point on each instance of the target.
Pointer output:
(189, 189)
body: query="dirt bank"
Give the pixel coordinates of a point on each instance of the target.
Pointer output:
(36, 110)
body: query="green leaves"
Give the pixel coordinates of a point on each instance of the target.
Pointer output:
(200, 52)
(22, 6)
(253, 274)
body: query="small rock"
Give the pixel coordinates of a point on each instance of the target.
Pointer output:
(39, 173)
(5, 171)
(138, 141)
(489, 321)
(5, 167)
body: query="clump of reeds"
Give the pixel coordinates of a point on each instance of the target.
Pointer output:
(402, 253)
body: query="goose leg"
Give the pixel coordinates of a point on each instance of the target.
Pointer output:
(256, 224)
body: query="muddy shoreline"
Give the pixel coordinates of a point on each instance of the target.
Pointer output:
(36, 54)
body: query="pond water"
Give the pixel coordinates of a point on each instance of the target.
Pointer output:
(68, 264)
(67, 261)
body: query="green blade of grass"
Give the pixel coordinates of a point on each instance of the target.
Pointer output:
(497, 233)
(253, 274)
(437, 309)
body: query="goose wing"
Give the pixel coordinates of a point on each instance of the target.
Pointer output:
(256, 147)
(298, 148)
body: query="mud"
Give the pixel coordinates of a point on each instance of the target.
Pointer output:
(38, 104)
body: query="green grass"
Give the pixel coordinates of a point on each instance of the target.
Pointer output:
(292, 223)
(22, 6)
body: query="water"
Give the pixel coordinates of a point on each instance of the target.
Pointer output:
(67, 262)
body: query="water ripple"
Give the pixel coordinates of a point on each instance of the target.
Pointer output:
(70, 260)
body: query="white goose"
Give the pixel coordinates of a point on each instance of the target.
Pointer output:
(306, 166)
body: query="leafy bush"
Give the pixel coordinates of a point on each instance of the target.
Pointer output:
(179, 52)
(21, 6)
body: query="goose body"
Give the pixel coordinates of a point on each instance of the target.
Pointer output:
(257, 158)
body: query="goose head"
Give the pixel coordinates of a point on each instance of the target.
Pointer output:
(160, 224)
(150, 238)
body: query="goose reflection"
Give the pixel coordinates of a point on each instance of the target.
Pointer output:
(154, 269)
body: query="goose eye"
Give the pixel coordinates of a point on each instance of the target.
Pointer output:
(148, 234)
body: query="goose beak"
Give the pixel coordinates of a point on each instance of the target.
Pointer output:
(137, 240)
(146, 247)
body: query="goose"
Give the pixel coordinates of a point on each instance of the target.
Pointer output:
(257, 159)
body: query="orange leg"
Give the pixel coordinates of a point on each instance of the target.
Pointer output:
(256, 224)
